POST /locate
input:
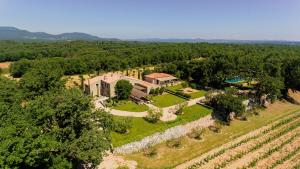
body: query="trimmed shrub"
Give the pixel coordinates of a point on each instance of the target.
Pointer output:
(256, 113)
(214, 129)
(197, 133)
(150, 152)
(157, 91)
(152, 91)
(184, 84)
(161, 90)
(122, 125)
(153, 115)
(242, 118)
(183, 94)
(111, 102)
(179, 108)
(174, 143)
(217, 126)
(193, 85)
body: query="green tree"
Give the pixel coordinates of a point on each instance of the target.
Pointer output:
(9, 91)
(146, 72)
(224, 104)
(20, 67)
(153, 115)
(292, 75)
(55, 130)
(123, 89)
(41, 79)
(122, 125)
(270, 86)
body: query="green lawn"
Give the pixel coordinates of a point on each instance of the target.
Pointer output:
(131, 106)
(141, 128)
(166, 100)
(198, 94)
(175, 87)
(194, 112)
(194, 95)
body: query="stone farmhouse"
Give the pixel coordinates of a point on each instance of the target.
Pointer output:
(104, 85)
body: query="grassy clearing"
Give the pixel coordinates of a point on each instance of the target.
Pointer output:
(166, 100)
(131, 106)
(192, 148)
(74, 80)
(194, 112)
(141, 128)
(198, 94)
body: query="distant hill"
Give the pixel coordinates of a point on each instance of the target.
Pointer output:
(197, 40)
(12, 33)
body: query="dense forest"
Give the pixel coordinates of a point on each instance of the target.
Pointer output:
(44, 125)
(202, 63)
(49, 126)
(78, 57)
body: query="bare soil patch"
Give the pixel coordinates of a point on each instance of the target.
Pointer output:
(74, 80)
(5, 65)
(113, 162)
(189, 90)
(295, 95)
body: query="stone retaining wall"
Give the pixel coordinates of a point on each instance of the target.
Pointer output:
(171, 133)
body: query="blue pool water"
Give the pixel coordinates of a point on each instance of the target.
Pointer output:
(236, 79)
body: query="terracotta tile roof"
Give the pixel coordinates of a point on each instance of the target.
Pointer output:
(158, 75)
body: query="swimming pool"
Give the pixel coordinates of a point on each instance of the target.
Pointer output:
(235, 79)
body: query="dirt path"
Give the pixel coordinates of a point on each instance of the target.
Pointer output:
(168, 114)
(115, 112)
(112, 162)
(127, 113)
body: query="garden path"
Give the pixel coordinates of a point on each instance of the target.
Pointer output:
(112, 161)
(168, 112)
(115, 112)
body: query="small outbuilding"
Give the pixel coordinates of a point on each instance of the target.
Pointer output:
(161, 79)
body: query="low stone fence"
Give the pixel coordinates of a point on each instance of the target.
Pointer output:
(171, 133)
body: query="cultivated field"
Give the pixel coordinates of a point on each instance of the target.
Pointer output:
(193, 152)
(274, 146)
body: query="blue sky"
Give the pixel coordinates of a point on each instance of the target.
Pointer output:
(222, 19)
